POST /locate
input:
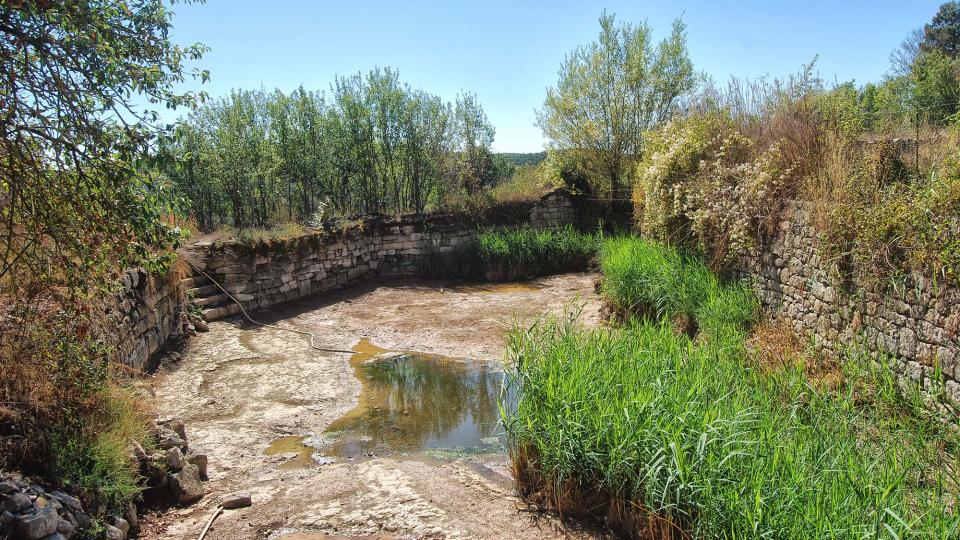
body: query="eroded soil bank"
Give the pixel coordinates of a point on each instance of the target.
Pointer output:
(261, 402)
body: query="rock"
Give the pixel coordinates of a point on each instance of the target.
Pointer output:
(113, 533)
(201, 325)
(6, 517)
(174, 459)
(167, 438)
(200, 460)
(131, 516)
(7, 487)
(176, 425)
(122, 525)
(56, 536)
(65, 528)
(16, 503)
(185, 485)
(71, 503)
(138, 453)
(43, 523)
(237, 499)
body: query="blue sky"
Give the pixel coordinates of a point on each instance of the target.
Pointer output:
(508, 53)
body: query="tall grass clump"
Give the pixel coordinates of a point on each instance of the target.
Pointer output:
(641, 277)
(664, 436)
(499, 255)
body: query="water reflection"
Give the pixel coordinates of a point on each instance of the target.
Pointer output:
(415, 401)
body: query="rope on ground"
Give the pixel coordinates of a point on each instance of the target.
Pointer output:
(206, 529)
(258, 323)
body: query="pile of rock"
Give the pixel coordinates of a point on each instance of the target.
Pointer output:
(28, 510)
(174, 472)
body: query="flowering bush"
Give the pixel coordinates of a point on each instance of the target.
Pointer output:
(705, 185)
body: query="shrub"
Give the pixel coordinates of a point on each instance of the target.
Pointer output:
(706, 186)
(884, 224)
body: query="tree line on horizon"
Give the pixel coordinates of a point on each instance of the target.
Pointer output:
(372, 145)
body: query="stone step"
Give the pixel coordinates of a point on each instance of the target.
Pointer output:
(203, 291)
(195, 281)
(212, 301)
(215, 313)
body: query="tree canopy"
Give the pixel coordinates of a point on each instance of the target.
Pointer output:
(612, 90)
(372, 145)
(71, 197)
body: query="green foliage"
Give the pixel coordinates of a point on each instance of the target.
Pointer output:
(942, 34)
(374, 145)
(528, 183)
(524, 158)
(653, 423)
(645, 278)
(609, 92)
(703, 185)
(72, 202)
(92, 458)
(519, 254)
(888, 225)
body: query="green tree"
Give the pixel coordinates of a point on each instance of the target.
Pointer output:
(71, 197)
(943, 32)
(612, 90)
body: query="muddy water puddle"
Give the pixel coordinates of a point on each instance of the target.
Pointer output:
(498, 288)
(410, 402)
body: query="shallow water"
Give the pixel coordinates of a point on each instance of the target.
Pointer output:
(498, 288)
(409, 402)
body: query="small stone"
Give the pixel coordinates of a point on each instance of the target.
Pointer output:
(6, 517)
(174, 459)
(131, 516)
(237, 499)
(7, 487)
(177, 426)
(167, 438)
(186, 484)
(200, 460)
(113, 533)
(138, 453)
(43, 523)
(56, 536)
(122, 525)
(65, 528)
(201, 325)
(17, 502)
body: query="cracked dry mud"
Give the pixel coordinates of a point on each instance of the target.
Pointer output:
(243, 389)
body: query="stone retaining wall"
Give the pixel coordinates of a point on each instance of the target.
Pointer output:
(916, 326)
(279, 271)
(554, 209)
(268, 273)
(145, 313)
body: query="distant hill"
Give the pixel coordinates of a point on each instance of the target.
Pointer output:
(524, 158)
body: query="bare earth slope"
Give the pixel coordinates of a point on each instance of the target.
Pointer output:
(240, 387)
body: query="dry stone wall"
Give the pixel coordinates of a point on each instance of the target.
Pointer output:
(555, 209)
(269, 273)
(146, 312)
(260, 276)
(149, 310)
(917, 326)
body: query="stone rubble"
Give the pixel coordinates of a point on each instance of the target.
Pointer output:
(30, 511)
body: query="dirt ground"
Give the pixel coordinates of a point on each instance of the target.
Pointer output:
(240, 387)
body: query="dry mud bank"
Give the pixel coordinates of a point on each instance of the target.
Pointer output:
(259, 402)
